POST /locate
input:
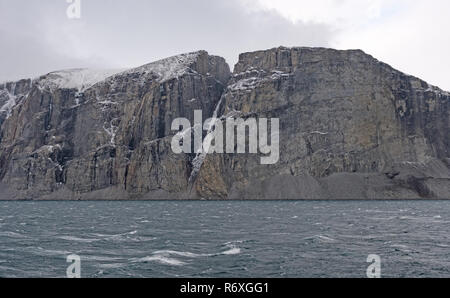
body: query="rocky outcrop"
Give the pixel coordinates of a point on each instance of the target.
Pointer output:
(346, 121)
(351, 127)
(78, 135)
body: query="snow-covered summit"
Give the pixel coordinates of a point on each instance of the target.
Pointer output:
(84, 78)
(80, 79)
(168, 68)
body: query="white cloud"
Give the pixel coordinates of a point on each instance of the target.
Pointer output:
(414, 40)
(125, 33)
(411, 35)
(340, 13)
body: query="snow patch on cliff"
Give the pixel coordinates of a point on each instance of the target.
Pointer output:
(437, 90)
(111, 130)
(246, 84)
(253, 78)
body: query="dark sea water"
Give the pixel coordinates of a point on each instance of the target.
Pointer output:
(225, 239)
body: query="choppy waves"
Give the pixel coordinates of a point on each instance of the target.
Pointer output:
(223, 239)
(167, 257)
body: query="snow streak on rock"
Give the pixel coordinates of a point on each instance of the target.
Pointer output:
(200, 158)
(10, 102)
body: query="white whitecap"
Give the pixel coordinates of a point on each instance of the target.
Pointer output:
(163, 260)
(232, 251)
(77, 239)
(180, 253)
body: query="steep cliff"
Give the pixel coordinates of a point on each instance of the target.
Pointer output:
(351, 127)
(83, 134)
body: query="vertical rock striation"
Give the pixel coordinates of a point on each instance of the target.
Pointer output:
(88, 135)
(351, 127)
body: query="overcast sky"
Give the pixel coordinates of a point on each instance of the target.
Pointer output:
(37, 37)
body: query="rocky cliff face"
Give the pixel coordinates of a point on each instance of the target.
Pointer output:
(351, 127)
(87, 135)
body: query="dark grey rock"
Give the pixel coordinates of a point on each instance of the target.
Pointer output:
(352, 127)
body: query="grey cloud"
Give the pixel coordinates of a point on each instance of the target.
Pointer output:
(36, 36)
